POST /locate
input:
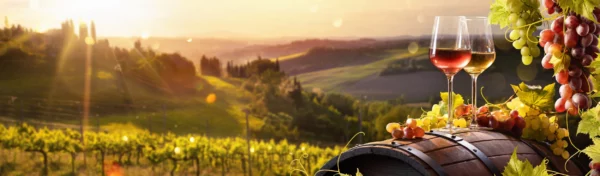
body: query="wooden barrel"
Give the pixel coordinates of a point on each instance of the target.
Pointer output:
(477, 152)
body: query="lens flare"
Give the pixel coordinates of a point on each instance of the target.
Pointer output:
(413, 47)
(189, 40)
(211, 98)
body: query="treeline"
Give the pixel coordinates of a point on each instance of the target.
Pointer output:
(254, 68)
(56, 60)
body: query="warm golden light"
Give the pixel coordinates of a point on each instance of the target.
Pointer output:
(413, 47)
(89, 40)
(145, 35)
(189, 40)
(177, 150)
(125, 138)
(338, 23)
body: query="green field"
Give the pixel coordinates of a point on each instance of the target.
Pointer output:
(337, 78)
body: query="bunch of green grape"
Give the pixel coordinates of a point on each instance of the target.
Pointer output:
(540, 127)
(521, 34)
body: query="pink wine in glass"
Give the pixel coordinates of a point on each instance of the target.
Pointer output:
(450, 61)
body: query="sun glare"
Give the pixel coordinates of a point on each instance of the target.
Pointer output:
(145, 35)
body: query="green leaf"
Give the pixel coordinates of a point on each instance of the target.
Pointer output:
(535, 96)
(358, 172)
(516, 167)
(499, 13)
(560, 62)
(584, 8)
(457, 99)
(590, 122)
(593, 151)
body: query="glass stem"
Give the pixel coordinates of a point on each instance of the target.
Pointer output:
(474, 100)
(450, 104)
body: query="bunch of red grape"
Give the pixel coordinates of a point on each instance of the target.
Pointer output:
(575, 38)
(411, 130)
(500, 120)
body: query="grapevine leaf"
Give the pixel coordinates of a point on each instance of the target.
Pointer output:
(358, 172)
(593, 151)
(536, 97)
(584, 8)
(560, 62)
(457, 99)
(590, 122)
(499, 13)
(516, 167)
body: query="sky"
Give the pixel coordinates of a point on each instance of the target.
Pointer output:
(242, 18)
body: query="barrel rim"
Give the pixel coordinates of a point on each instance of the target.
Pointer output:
(378, 151)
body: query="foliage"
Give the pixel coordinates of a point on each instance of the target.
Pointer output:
(158, 149)
(516, 167)
(584, 8)
(590, 122)
(499, 13)
(211, 67)
(536, 97)
(593, 151)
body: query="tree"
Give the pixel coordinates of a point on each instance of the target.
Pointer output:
(6, 24)
(93, 31)
(83, 31)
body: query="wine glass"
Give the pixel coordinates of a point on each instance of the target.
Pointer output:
(450, 51)
(482, 55)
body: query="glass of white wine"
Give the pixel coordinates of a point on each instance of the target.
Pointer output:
(483, 55)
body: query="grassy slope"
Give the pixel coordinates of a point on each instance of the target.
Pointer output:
(336, 78)
(189, 114)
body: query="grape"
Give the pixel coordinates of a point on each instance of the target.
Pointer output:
(525, 52)
(557, 151)
(572, 111)
(595, 172)
(546, 62)
(419, 132)
(594, 40)
(583, 29)
(571, 38)
(527, 60)
(587, 40)
(516, 7)
(575, 83)
(512, 18)
(572, 21)
(592, 27)
(411, 123)
(521, 22)
(551, 137)
(555, 49)
(398, 133)
(518, 44)
(569, 104)
(514, 113)
(546, 35)
(557, 25)
(565, 91)
(580, 101)
(514, 35)
(560, 134)
(574, 71)
(595, 165)
(408, 133)
(577, 52)
(547, 46)
(559, 38)
(592, 51)
(520, 122)
(535, 124)
(548, 4)
(587, 60)
(553, 127)
(535, 51)
(562, 77)
(390, 127)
